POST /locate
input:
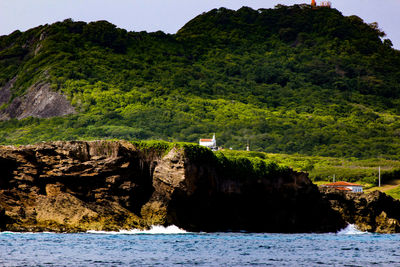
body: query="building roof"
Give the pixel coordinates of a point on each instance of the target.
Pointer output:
(341, 184)
(343, 188)
(206, 140)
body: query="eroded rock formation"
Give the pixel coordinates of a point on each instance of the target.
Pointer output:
(111, 185)
(372, 212)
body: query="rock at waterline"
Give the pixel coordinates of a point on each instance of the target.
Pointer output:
(112, 185)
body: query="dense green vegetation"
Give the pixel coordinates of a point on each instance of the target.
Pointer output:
(288, 80)
(363, 171)
(395, 193)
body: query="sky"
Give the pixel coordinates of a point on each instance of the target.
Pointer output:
(170, 15)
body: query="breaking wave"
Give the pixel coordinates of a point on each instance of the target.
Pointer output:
(24, 233)
(154, 230)
(351, 229)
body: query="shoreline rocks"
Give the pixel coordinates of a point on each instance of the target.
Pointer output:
(371, 212)
(111, 185)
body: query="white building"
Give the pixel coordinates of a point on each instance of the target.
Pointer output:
(210, 143)
(345, 186)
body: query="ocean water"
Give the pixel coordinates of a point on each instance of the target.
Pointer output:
(174, 247)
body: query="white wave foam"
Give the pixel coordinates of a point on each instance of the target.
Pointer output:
(351, 229)
(25, 233)
(154, 230)
(10, 233)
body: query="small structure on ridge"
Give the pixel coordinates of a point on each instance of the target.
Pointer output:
(345, 186)
(322, 4)
(210, 143)
(313, 3)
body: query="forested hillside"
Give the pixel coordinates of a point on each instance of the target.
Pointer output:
(288, 80)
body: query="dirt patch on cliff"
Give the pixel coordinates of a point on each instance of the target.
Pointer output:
(39, 101)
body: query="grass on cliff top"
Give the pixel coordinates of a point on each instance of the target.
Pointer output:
(395, 192)
(319, 168)
(192, 150)
(241, 166)
(324, 168)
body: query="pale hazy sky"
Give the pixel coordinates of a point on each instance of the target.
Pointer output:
(170, 15)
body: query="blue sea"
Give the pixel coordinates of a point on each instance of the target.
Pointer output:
(174, 247)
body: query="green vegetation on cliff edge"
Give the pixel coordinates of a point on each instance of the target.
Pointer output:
(320, 168)
(289, 80)
(242, 165)
(250, 164)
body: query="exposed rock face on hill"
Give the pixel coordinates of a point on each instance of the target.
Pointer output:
(39, 101)
(373, 212)
(101, 185)
(5, 92)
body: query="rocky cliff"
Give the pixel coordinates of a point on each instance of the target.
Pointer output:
(372, 212)
(110, 185)
(39, 101)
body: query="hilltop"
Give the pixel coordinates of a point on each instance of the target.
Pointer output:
(289, 79)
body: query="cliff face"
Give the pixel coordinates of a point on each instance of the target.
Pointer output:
(104, 185)
(373, 212)
(39, 101)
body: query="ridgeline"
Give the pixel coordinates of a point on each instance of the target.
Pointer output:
(290, 80)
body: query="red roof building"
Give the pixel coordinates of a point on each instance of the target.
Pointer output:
(345, 186)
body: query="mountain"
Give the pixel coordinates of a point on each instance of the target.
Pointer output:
(290, 79)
